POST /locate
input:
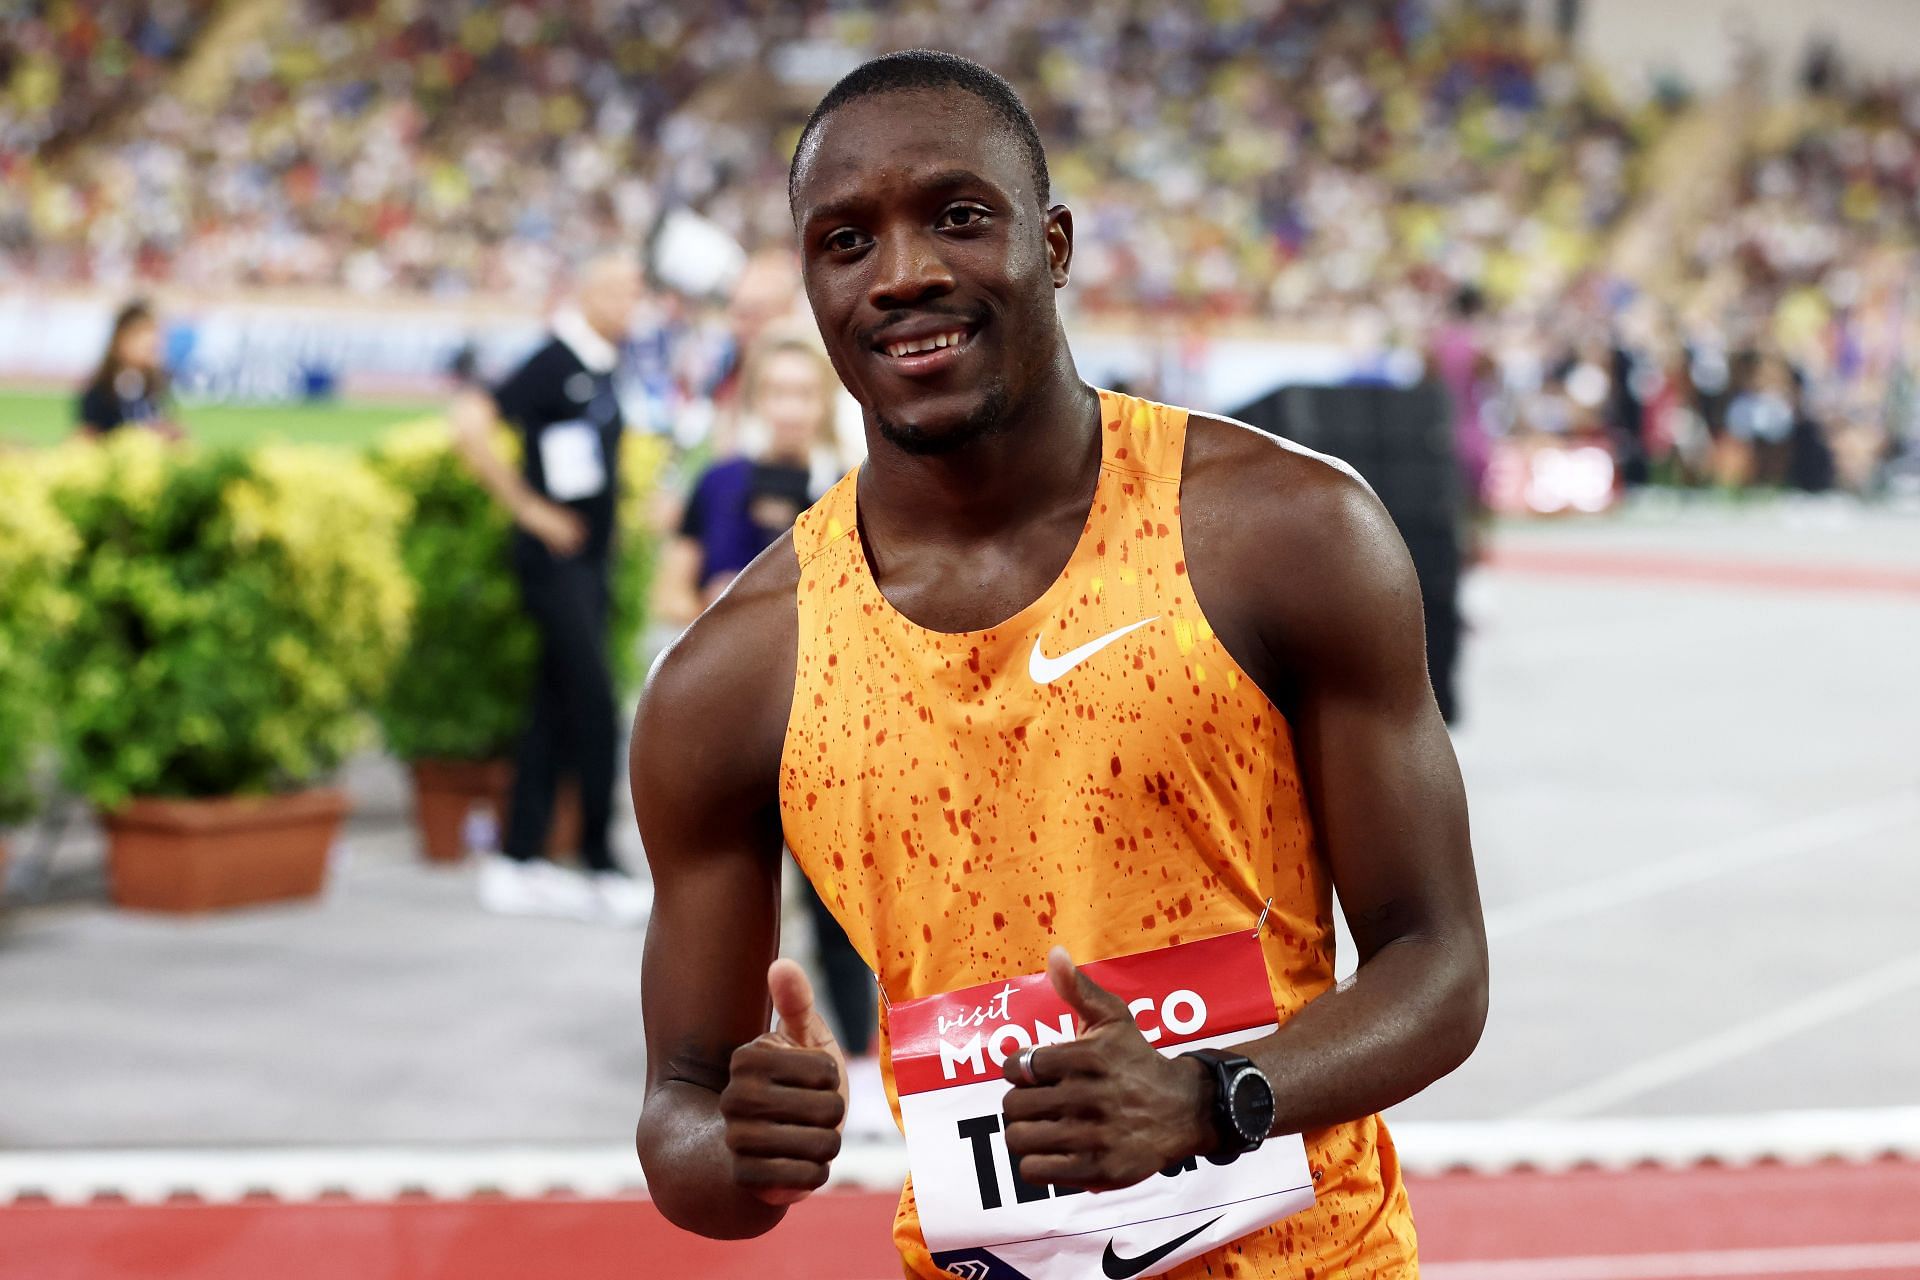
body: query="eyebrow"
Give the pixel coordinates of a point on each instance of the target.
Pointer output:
(944, 180)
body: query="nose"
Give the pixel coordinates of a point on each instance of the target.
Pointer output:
(909, 269)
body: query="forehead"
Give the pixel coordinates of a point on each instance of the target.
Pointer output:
(898, 142)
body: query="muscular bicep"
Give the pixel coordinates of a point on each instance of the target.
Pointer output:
(1379, 769)
(705, 768)
(714, 931)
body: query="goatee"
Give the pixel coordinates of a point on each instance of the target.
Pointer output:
(988, 418)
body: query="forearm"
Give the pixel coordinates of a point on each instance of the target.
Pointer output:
(683, 1151)
(473, 422)
(503, 482)
(1412, 1013)
(677, 589)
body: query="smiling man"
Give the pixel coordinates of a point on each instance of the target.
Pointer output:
(1058, 677)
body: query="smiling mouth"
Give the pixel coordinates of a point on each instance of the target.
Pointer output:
(918, 357)
(933, 342)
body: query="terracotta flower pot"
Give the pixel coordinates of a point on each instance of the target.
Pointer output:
(445, 792)
(200, 855)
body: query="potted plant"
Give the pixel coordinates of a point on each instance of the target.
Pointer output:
(459, 692)
(236, 615)
(36, 547)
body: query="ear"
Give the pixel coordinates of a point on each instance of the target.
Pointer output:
(1059, 233)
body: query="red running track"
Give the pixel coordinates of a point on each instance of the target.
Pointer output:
(1658, 566)
(1820, 1222)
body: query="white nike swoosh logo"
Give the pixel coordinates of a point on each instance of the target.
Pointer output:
(1045, 670)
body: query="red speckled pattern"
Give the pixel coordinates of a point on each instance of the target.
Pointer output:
(961, 818)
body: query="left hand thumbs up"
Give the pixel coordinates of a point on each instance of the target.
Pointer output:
(1093, 1005)
(1104, 1110)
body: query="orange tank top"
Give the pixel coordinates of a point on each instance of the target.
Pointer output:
(1096, 772)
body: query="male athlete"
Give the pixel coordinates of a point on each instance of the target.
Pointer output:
(1057, 676)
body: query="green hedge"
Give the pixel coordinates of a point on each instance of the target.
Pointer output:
(37, 548)
(460, 690)
(642, 458)
(236, 613)
(180, 621)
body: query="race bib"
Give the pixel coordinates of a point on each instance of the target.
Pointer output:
(571, 461)
(982, 1222)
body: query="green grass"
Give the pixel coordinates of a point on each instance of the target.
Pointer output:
(46, 417)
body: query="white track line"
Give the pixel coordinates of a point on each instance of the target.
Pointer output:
(595, 1169)
(1684, 1266)
(1808, 835)
(1855, 994)
(1674, 1142)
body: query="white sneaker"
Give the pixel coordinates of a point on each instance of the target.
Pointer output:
(535, 887)
(623, 899)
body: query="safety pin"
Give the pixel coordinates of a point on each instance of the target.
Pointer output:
(1261, 923)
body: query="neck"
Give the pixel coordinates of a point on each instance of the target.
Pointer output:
(1045, 455)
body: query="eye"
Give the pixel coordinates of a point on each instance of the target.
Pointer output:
(843, 240)
(955, 216)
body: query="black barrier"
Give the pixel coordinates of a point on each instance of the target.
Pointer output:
(1401, 441)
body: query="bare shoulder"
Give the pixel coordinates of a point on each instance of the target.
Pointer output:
(717, 698)
(1242, 488)
(1289, 549)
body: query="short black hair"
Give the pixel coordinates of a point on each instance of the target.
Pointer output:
(929, 69)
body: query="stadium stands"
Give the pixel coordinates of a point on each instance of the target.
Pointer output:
(1319, 156)
(1336, 169)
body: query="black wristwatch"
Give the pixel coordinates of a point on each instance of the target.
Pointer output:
(1242, 1100)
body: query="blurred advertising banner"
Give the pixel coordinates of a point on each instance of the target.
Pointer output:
(1551, 477)
(260, 348)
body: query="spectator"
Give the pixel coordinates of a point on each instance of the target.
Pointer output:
(129, 389)
(1461, 363)
(766, 293)
(1761, 421)
(740, 505)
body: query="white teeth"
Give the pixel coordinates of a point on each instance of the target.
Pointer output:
(918, 345)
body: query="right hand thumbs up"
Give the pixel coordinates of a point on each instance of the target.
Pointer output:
(795, 1017)
(786, 1096)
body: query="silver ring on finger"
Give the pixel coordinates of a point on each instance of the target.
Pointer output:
(1020, 1067)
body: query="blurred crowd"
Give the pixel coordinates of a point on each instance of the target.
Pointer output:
(1270, 159)
(1783, 352)
(1406, 175)
(65, 67)
(1814, 278)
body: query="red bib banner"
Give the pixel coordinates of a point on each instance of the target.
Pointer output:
(982, 1222)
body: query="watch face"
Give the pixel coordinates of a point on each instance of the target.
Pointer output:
(1251, 1104)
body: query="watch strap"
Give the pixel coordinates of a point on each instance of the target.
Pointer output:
(1225, 1068)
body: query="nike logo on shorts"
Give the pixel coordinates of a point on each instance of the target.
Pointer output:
(1045, 670)
(1115, 1267)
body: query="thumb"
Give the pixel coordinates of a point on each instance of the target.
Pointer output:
(796, 1018)
(1093, 1003)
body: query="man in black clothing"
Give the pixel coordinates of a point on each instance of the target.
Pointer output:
(561, 403)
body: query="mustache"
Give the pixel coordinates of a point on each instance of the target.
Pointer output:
(971, 318)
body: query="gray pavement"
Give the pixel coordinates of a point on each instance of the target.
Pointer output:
(1696, 812)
